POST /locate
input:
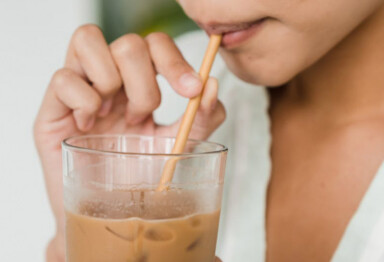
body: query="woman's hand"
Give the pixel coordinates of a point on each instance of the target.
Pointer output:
(113, 89)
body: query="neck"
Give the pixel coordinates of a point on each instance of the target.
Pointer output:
(349, 81)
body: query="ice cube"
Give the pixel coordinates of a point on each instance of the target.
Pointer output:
(159, 234)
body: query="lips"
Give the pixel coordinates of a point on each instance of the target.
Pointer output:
(234, 34)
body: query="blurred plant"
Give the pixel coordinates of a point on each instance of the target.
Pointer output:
(119, 17)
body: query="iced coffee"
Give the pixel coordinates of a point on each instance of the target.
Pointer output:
(152, 227)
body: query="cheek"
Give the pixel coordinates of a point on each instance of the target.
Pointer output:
(302, 36)
(272, 58)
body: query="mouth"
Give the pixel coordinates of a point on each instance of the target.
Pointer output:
(234, 34)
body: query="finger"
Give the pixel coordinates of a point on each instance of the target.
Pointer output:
(218, 259)
(69, 92)
(55, 250)
(170, 63)
(209, 99)
(133, 59)
(90, 57)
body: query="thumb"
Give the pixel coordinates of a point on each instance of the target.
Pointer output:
(210, 115)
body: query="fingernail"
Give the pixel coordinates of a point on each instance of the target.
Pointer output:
(191, 81)
(105, 108)
(90, 122)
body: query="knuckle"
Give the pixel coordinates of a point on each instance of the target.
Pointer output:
(86, 32)
(147, 105)
(93, 104)
(158, 37)
(110, 85)
(61, 77)
(127, 45)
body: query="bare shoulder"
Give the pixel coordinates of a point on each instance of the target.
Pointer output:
(320, 173)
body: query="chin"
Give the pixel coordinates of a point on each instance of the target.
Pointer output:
(270, 70)
(267, 74)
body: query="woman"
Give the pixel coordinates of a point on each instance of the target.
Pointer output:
(303, 181)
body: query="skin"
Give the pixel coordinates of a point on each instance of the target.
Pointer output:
(328, 145)
(326, 118)
(298, 34)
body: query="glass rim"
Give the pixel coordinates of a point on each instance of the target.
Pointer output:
(66, 144)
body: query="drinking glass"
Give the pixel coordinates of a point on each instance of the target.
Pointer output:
(114, 212)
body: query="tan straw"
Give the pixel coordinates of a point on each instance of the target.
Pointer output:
(190, 114)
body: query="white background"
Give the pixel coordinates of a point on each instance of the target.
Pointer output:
(33, 39)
